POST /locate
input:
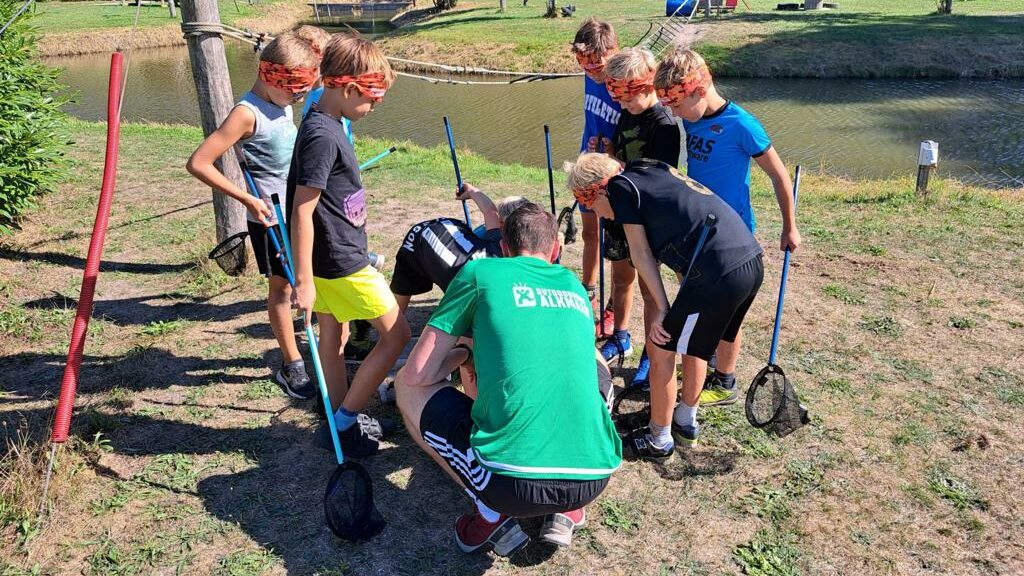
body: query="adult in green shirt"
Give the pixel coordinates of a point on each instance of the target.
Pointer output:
(538, 440)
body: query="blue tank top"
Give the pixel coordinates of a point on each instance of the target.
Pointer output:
(268, 152)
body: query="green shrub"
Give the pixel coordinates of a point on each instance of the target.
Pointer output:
(31, 122)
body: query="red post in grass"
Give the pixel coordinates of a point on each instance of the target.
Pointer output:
(69, 384)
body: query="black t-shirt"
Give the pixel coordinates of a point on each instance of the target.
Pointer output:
(653, 133)
(672, 209)
(324, 158)
(434, 251)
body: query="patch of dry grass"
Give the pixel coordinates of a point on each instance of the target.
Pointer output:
(910, 465)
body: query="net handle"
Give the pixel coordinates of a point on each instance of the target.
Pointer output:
(782, 283)
(311, 339)
(458, 174)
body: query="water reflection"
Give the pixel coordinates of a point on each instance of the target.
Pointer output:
(860, 128)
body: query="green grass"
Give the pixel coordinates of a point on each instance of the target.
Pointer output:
(182, 460)
(865, 38)
(56, 17)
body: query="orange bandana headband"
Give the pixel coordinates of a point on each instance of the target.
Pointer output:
(295, 80)
(592, 62)
(672, 95)
(628, 89)
(372, 84)
(587, 195)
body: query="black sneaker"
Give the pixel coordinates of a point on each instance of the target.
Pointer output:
(377, 428)
(638, 445)
(361, 440)
(292, 378)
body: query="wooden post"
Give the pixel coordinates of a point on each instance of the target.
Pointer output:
(927, 160)
(170, 4)
(213, 89)
(502, 4)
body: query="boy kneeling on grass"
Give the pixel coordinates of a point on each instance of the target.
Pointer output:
(721, 138)
(261, 127)
(663, 213)
(537, 440)
(433, 252)
(327, 212)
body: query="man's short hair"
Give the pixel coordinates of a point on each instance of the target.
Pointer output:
(510, 204)
(529, 228)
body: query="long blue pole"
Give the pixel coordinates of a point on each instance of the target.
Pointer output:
(314, 345)
(377, 158)
(782, 284)
(458, 174)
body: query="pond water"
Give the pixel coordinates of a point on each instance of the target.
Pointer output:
(856, 128)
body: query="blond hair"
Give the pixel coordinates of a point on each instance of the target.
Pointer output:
(353, 55)
(676, 66)
(595, 36)
(316, 37)
(589, 169)
(292, 51)
(630, 64)
(509, 204)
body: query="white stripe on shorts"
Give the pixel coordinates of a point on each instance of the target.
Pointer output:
(464, 463)
(440, 249)
(684, 337)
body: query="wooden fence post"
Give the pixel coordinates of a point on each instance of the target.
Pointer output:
(927, 160)
(213, 90)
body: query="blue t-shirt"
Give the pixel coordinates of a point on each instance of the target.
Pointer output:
(718, 152)
(600, 112)
(314, 97)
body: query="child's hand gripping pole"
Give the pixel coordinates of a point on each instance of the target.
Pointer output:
(458, 174)
(288, 264)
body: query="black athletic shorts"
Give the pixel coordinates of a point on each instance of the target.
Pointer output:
(705, 313)
(266, 257)
(446, 424)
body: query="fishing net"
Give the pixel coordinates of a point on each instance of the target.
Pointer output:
(772, 403)
(229, 254)
(632, 409)
(348, 504)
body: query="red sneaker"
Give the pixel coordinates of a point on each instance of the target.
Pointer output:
(558, 528)
(472, 532)
(606, 326)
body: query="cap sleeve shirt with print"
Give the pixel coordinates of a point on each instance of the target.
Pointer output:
(600, 112)
(718, 152)
(324, 159)
(538, 412)
(653, 133)
(672, 209)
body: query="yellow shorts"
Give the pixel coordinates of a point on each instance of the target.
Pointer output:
(362, 295)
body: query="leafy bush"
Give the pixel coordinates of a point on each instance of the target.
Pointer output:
(445, 4)
(31, 122)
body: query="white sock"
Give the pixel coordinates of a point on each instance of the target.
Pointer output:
(661, 436)
(685, 415)
(490, 515)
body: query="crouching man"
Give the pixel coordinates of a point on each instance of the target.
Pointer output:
(538, 440)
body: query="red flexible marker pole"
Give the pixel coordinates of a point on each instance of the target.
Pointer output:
(69, 384)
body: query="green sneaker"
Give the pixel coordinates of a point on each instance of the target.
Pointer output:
(717, 392)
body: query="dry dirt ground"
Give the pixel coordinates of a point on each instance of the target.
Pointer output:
(903, 334)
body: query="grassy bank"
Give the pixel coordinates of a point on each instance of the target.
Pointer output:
(865, 38)
(70, 28)
(903, 328)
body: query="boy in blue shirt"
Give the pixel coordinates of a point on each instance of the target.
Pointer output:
(594, 44)
(721, 138)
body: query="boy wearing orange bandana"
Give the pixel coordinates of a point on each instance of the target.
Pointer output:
(327, 209)
(646, 129)
(261, 128)
(721, 138)
(595, 42)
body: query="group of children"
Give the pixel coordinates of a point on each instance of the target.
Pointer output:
(632, 107)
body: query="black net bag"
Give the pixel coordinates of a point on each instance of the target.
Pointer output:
(632, 409)
(772, 403)
(348, 504)
(229, 254)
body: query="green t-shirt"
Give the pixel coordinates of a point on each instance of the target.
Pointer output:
(538, 412)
